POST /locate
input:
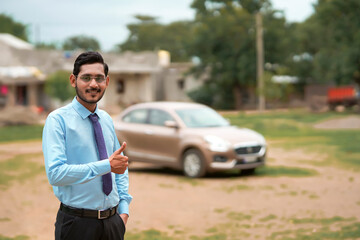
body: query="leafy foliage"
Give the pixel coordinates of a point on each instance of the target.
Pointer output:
(9, 25)
(147, 34)
(334, 49)
(57, 85)
(46, 46)
(253, 6)
(224, 41)
(81, 42)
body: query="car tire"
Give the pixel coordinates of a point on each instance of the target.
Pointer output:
(194, 164)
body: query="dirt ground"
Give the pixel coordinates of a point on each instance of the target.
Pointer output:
(166, 201)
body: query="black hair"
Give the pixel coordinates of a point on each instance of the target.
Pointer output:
(89, 58)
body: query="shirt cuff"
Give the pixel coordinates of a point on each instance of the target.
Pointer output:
(102, 167)
(123, 207)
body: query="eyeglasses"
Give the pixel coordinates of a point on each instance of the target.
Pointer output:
(88, 78)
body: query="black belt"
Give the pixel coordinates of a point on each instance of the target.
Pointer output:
(87, 213)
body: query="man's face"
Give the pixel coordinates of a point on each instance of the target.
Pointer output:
(90, 84)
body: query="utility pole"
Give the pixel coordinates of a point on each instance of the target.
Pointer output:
(260, 61)
(37, 34)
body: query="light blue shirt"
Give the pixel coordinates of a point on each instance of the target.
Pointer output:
(72, 160)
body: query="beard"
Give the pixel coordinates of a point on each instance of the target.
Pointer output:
(89, 90)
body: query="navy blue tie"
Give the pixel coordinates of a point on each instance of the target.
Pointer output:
(100, 142)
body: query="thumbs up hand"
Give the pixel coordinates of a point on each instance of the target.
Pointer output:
(118, 162)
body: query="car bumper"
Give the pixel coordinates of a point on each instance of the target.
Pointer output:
(236, 164)
(236, 161)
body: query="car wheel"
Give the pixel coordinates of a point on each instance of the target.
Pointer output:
(194, 163)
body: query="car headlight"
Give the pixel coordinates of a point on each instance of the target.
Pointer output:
(217, 144)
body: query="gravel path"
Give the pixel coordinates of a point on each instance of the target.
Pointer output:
(352, 122)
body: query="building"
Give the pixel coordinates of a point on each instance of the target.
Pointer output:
(134, 77)
(19, 81)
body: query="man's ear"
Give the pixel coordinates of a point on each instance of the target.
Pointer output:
(72, 80)
(107, 80)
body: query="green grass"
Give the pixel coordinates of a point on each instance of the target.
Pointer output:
(297, 115)
(220, 210)
(323, 221)
(19, 168)
(238, 216)
(230, 189)
(153, 234)
(218, 236)
(19, 133)
(250, 225)
(20, 237)
(192, 181)
(294, 129)
(280, 171)
(348, 231)
(268, 218)
(148, 235)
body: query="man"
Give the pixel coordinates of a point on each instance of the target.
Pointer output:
(84, 161)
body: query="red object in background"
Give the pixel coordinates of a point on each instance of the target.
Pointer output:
(341, 93)
(4, 90)
(345, 95)
(40, 109)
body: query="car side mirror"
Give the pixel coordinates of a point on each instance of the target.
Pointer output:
(171, 124)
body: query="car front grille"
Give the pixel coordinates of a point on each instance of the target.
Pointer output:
(248, 150)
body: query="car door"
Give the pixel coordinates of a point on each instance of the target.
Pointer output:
(163, 141)
(133, 131)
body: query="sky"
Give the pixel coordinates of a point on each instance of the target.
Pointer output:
(106, 20)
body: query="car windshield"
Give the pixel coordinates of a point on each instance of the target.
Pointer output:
(201, 117)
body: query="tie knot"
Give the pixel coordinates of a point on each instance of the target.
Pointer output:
(93, 117)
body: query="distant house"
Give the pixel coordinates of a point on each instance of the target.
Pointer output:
(134, 77)
(144, 77)
(19, 81)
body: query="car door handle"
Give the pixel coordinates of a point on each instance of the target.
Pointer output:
(148, 132)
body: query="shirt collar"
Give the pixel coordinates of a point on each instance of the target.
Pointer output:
(81, 110)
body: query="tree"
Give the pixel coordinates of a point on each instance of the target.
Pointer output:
(48, 46)
(332, 39)
(149, 35)
(224, 41)
(225, 46)
(8, 25)
(57, 85)
(144, 35)
(177, 39)
(81, 42)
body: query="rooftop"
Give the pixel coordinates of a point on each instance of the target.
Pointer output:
(15, 42)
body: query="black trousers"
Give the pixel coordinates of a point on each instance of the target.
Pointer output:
(69, 227)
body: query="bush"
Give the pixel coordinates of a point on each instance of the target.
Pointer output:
(58, 86)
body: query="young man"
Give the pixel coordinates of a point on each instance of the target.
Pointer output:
(84, 161)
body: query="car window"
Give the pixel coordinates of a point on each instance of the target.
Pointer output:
(201, 117)
(158, 117)
(136, 116)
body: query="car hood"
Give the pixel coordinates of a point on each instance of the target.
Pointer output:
(232, 134)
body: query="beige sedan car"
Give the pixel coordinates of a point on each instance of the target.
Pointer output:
(188, 136)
